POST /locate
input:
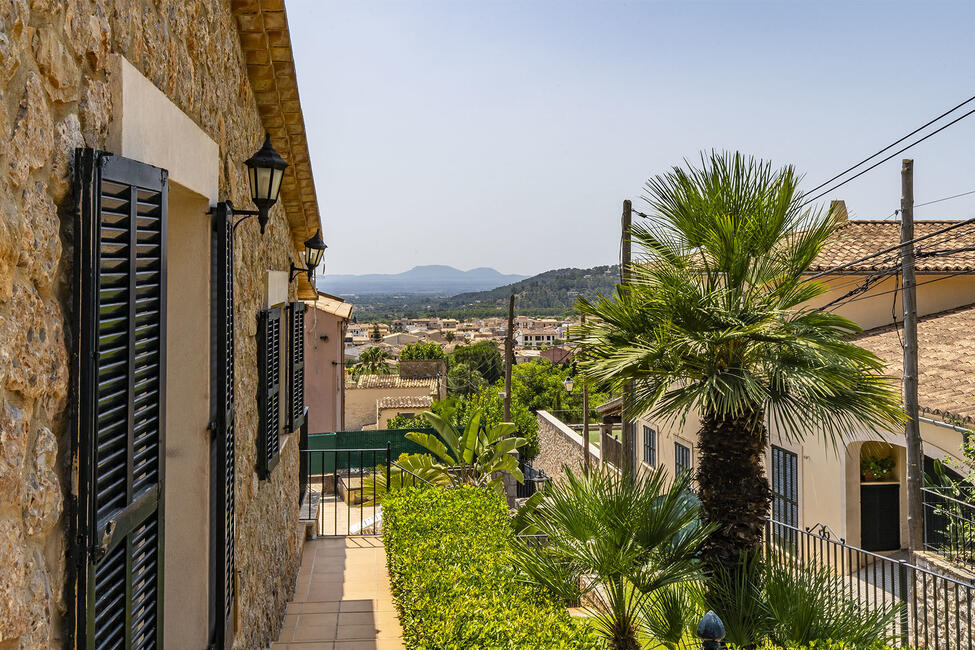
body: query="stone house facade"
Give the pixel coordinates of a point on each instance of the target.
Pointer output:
(179, 93)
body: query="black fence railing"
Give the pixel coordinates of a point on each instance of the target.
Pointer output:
(342, 489)
(949, 523)
(535, 479)
(935, 610)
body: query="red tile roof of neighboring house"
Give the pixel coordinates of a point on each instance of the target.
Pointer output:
(946, 361)
(408, 402)
(856, 239)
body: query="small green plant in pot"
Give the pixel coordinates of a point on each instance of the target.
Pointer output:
(877, 468)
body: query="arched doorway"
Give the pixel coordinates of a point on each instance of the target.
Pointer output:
(881, 470)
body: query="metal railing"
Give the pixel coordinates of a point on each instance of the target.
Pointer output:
(949, 523)
(535, 479)
(342, 489)
(937, 609)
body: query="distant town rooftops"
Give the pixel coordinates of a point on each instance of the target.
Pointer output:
(856, 239)
(405, 402)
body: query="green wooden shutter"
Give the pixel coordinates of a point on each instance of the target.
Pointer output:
(225, 435)
(268, 390)
(120, 370)
(296, 366)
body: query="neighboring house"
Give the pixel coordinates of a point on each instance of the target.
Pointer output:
(325, 325)
(389, 407)
(133, 340)
(400, 338)
(362, 397)
(537, 338)
(558, 354)
(814, 484)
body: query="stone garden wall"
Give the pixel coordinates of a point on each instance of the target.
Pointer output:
(54, 96)
(947, 607)
(559, 447)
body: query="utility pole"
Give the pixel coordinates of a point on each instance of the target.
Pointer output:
(915, 454)
(509, 353)
(585, 419)
(629, 449)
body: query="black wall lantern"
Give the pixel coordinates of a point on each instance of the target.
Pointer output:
(314, 250)
(265, 169)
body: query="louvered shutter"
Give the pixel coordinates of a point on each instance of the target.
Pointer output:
(269, 390)
(785, 486)
(120, 363)
(225, 434)
(296, 365)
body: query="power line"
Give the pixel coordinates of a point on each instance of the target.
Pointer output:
(882, 161)
(946, 198)
(885, 251)
(892, 144)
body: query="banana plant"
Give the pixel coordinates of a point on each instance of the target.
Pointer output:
(472, 456)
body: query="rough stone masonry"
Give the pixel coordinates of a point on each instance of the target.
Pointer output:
(54, 97)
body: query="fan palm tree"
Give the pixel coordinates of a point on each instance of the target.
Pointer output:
(627, 549)
(716, 322)
(372, 361)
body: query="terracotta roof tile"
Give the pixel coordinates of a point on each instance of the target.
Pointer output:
(946, 360)
(856, 239)
(393, 381)
(409, 402)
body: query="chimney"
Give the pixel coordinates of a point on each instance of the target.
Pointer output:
(837, 211)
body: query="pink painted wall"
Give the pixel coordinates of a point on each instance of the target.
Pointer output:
(324, 371)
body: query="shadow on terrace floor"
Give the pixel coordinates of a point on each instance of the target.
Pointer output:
(342, 600)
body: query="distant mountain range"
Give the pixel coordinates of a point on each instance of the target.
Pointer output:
(550, 293)
(433, 279)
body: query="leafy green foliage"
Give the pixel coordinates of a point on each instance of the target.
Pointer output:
(422, 352)
(824, 645)
(372, 361)
(447, 554)
(482, 357)
(464, 380)
(794, 606)
(470, 456)
(622, 547)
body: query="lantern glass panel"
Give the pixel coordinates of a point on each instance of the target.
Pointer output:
(276, 176)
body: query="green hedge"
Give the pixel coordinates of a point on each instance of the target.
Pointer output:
(446, 552)
(825, 645)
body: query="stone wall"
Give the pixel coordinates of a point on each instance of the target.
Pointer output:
(947, 607)
(559, 447)
(423, 369)
(54, 96)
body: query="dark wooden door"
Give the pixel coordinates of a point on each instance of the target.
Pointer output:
(880, 525)
(120, 372)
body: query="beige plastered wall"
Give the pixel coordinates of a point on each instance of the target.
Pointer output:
(360, 403)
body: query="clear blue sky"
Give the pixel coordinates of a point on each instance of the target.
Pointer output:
(507, 134)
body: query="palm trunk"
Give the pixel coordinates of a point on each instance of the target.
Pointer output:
(733, 487)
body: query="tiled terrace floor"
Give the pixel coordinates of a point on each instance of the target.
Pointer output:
(342, 600)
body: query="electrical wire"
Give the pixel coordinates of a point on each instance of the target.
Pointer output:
(882, 161)
(946, 198)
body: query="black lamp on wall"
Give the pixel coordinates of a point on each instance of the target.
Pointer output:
(265, 169)
(314, 250)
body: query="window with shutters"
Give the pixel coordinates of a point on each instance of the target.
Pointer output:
(120, 370)
(649, 446)
(296, 365)
(223, 526)
(682, 458)
(269, 390)
(785, 486)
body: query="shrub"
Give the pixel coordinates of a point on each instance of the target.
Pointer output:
(447, 555)
(421, 352)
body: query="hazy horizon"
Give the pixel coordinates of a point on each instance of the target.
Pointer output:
(506, 135)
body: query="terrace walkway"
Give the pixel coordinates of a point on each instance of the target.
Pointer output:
(342, 600)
